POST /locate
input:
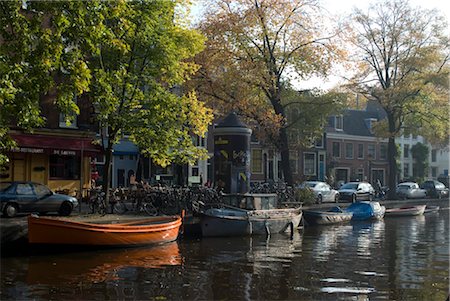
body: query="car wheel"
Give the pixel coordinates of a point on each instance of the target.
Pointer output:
(65, 209)
(353, 197)
(10, 210)
(319, 199)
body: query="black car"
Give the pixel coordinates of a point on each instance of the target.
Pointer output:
(21, 197)
(356, 191)
(435, 189)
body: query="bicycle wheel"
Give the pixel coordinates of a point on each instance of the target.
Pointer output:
(150, 209)
(119, 208)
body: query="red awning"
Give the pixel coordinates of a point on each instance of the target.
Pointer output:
(56, 145)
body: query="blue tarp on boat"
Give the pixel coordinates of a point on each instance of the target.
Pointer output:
(366, 210)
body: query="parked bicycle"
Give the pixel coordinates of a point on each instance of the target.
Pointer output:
(97, 202)
(135, 202)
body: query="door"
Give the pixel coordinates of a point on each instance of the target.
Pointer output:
(26, 197)
(19, 170)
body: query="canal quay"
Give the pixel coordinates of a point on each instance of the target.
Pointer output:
(397, 258)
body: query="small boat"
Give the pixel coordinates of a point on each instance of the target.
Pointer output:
(237, 222)
(431, 208)
(366, 211)
(154, 230)
(335, 216)
(406, 211)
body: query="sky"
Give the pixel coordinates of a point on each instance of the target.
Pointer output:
(344, 7)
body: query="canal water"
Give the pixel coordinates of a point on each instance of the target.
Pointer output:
(396, 259)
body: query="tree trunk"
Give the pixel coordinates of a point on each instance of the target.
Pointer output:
(283, 147)
(107, 172)
(392, 158)
(283, 143)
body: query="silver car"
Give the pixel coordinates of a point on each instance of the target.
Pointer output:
(322, 191)
(21, 197)
(410, 190)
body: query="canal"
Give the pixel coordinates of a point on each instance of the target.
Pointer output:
(395, 259)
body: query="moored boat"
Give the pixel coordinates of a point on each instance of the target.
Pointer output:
(154, 230)
(326, 217)
(366, 210)
(237, 222)
(431, 208)
(406, 211)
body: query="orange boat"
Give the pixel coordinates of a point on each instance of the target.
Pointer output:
(154, 230)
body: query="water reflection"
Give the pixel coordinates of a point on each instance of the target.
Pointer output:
(394, 259)
(99, 266)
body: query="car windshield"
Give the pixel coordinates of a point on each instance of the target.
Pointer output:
(309, 184)
(4, 186)
(403, 186)
(350, 186)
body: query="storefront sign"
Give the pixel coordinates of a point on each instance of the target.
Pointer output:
(64, 152)
(28, 150)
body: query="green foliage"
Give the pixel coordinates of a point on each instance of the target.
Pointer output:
(127, 56)
(419, 152)
(305, 195)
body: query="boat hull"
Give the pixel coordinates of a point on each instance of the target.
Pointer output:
(326, 218)
(229, 222)
(406, 211)
(64, 232)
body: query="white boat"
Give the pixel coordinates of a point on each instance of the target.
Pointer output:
(261, 219)
(406, 211)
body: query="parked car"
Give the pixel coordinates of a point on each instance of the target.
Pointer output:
(21, 197)
(435, 189)
(322, 191)
(410, 190)
(356, 191)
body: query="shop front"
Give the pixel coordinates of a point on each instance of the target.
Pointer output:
(60, 162)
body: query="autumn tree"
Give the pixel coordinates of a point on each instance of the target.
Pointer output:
(403, 57)
(253, 48)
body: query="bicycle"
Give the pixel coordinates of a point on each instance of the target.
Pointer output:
(97, 202)
(139, 201)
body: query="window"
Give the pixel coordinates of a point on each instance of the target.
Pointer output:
(360, 151)
(319, 142)
(293, 161)
(339, 122)
(309, 165)
(64, 167)
(383, 151)
(433, 155)
(257, 161)
(406, 170)
(360, 174)
(371, 152)
(434, 172)
(349, 150)
(41, 190)
(24, 189)
(406, 151)
(198, 141)
(336, 149)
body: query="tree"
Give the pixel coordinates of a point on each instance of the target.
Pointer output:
(253, 48)
(129, 58)
(140, 62)
(419, 153)
(36, 60)
(403, 58)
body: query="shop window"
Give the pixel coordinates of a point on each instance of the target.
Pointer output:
(64, 167)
